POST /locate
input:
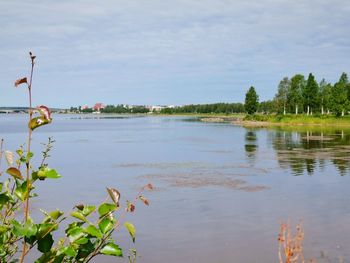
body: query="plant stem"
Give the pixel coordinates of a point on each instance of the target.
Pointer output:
(1, 145)
(26, 207)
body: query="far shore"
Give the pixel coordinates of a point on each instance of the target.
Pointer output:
(241, 119)
(273, 120)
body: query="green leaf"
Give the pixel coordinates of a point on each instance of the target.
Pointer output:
(68, 251)
(50, 257)
(106, 225)
(3, 229)
(35, 176)
(21, 191)
(81, 241)
(73, 225)
(30, 229)
(105, 208)
(30, 240)
(44, 173)
(56, 214)
(30, 155)
(93, 231)
(87, 210)
(17, 228)
(112, 249)
(45, 243)
(85, 250)
(46, 228)
(19, 152)
(78, 215)
(37, 122)
(4, 199)
(132, 231)
(13, 171)
(51, 173)
(75, 233)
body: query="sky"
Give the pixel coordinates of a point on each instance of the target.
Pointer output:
(151, 52)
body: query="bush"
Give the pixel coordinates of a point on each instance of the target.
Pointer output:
(91, 227)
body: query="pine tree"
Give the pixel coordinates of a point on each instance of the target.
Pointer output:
(251, 101)
(311, 94)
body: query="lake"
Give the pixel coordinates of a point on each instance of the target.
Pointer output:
(221, 191)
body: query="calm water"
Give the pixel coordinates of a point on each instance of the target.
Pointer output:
(221, 190)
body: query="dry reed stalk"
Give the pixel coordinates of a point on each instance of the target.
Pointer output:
(290, 247)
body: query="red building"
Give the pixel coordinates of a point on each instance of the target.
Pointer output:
(98, 106)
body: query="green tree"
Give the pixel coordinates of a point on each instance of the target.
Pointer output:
(282, 95)
(325, 95)
(294, 96)
(251, 101)
(340, 95)
(311, 94)
(266, 107)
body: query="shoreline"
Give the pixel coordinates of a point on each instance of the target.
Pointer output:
(311, 122)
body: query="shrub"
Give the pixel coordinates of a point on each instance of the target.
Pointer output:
(90, 229)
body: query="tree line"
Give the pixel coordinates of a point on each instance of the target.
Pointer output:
(300, 95)
(122, 109)
(295, 95)
(226, 108)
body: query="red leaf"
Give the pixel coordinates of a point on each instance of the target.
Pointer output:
(144, 200)
(45, 112)
(20, 81)
(149, 186)
(13, 171)
(130, 207)
(114, 194)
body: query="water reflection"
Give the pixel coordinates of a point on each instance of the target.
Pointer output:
(251, 145)
(303, 151)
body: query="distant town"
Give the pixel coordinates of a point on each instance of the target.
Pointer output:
(97, 108)
(121, 108)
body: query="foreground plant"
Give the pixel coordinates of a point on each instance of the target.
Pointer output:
(290, 246)
(90, 228)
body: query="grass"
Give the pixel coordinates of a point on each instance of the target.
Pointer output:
(289, 119)
(203, 115)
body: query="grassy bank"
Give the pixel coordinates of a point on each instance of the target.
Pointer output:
(325, 120)
(203, 115)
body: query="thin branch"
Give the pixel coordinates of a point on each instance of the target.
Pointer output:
(96, 252)
(26, 207)
(1, 152)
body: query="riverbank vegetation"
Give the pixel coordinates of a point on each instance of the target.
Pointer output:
(296, 98)
(298, 101)
(214, 108)
(302, 119)
(298, 95)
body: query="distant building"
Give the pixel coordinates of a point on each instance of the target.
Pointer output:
(156, 108)
(98, 106)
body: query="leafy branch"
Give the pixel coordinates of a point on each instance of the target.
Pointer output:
(90, 228)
